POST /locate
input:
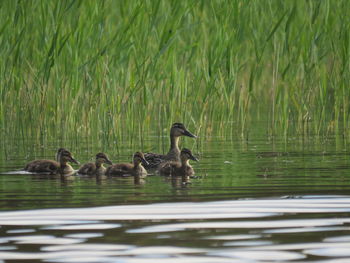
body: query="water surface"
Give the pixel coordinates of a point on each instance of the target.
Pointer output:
(256, 200)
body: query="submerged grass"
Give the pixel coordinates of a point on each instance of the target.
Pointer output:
(111, 69)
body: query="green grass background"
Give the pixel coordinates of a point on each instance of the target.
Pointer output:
(120, 68)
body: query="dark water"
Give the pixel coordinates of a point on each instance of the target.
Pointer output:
(257, 200)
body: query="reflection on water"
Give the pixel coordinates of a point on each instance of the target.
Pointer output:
(222, 231)
(251, 201)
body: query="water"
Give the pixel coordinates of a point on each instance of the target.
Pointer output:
(256, 200)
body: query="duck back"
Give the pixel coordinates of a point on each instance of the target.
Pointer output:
(43, 166)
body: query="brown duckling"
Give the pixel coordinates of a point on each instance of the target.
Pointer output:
(182, 168)
(97, 167)
(134, 169)
(177, 130)
(61, 165)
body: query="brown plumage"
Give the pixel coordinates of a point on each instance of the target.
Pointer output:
(175, 168)
(177, 130)
(97, 167)
(60, 166)
(133, 169)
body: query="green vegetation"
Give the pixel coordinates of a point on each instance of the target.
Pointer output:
(115, 68)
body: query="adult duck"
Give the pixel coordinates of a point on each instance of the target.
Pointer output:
(177, 130)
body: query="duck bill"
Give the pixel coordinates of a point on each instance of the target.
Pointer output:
(187, 133)
(73, 160)
(108, 162)
(144, 162)
(194, 158)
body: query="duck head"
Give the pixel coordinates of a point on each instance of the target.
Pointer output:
(178, 129)
(66, 156)
(139, 158)
(103, 158)
(186, 154)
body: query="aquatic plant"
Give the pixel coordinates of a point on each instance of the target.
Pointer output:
(111, 69)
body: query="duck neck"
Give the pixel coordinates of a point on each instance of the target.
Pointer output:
(174, 142)
(137, 165)
(185, 162)
(174, 152)
(98, 164)
(138, 169)
(63, 166)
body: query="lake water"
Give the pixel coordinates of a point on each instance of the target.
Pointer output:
(257, 200)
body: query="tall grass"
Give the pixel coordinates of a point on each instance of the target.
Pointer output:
(108, 69)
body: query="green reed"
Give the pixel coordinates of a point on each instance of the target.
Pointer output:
(109, 69)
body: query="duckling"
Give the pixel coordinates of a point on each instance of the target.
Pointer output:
(97, 167)
(61, 165)
(182, 168)
(134, 169)
(65, 157)
(177, 130)
(44, 166)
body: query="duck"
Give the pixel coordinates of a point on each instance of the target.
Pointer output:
(60, 166)
(44, 166)
(133, 169)
(97, 167)
(178, 168)
(177, 130)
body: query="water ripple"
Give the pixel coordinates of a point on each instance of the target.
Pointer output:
(168, 211)
(262, 230)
